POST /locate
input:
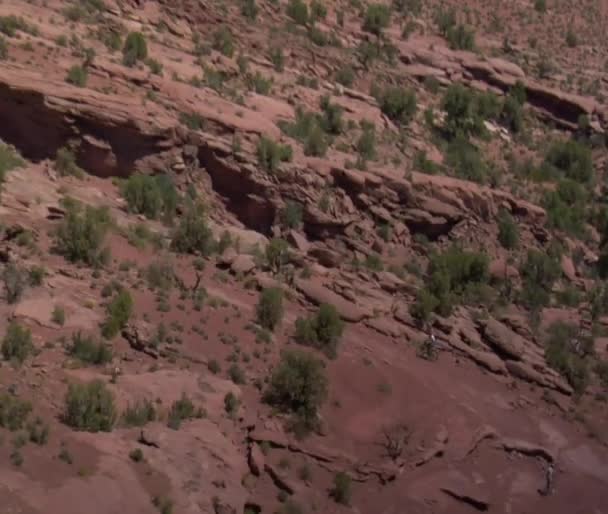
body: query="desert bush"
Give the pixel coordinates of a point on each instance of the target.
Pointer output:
(231, 403)
(136, 455)
(81, 234)
(561, 354)
(426, 303)
(135, 49)
(192, 234)
(160, 275)
(38, 432)
(249, 9)
(366, 144)
(58, 315)
(345, 75)
(77, 76)
(156, 67)
(377, 18)
(601, 370)
(322, 330)
(540, 6)
(36, 275)
(152, 196)
(539, 272)
(277, 58)
(139, 414)
(398, 103)
(462, 113)
(223, 41)
(276, 254)
(13, 412)
(331, 120)
(271, 154)
(17, 343)
(87, 349)
(65, 163)
(269, 311)
(9, 25)
(298, 385)
(508, 232)
(566, 207)
(89, 407)
(182, 410)
(14, 281)
(9, 160)
(3, 49)
(118, 313)
(236, 374)
(318, 11)
(511, 113)
(297, 10)
(572, 159)
(342, 489)
(291, 215)
(465, 159)
(460, 37)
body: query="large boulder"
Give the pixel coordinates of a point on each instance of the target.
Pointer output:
(318, 294)
(500, 337)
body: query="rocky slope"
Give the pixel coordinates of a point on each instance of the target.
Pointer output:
(318, 183)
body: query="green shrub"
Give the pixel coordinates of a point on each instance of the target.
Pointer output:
(136, 455)
(182, 410)
(571, 39)
(465, 159)
(17, 343)
(277, 253)
(258, 83)
(155, 66)
(540, 6)
(315, 144)
(192, 120)
(298, 385)
(86, 349)
(462, 112)
(291, 215)
(322, 331)
(38, 432)
(426, 303)
(13, 412)
(398, 103)
(377, 18)
(36, 275)
(81, 234)
(601, 370)
(277, 58)
(223, 41)
(192, 234)
(160, 275)
(58, 315)
(9, 160)
(566, 207)
(249, 9)
(236, 374)
(512, 113)
(9, 25)
(118, 313)
(77, 76)
(14, 281)
(269, 311)
(139, 414)
(271, 154)
(342, 490)
(3, 49)
(65, 163)
(539, 272)
(331, 121)
(135, 49)
(560, 354)
(572, 159)
(89, 407)
(366, 144)
(152, 196)
(318, 11)
(508, 231)
(461, 37)
(297, 10)
(345, 75)
(231, 403)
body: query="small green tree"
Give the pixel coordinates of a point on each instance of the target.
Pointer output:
(14, 281)
(342, 490)
(77, 76)
(322, 331)
(377, 18)
(89, 407)
(17, 343)
(398, 103)
(81, 234)
(297, 10)
(572, 159)
(291, 215)
(3, 49)
(181, 410)
(249, 9)
(223, 41)
(508, 233)
(192, 234)
(13, 412)
(277, 253)
(271, 154)
(135, 49)
(298, 385)
(118, 313)
(345, 75)
(269, 310)
(86, 349)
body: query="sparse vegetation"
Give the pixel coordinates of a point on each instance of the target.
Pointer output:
(65, 163)
(135, 49)
(398, 103)
(269, 310)
(77, 76)
(17, 343)
(272, 154)
(566, 350)
(182, 410)
(276, 253)
(87, 349)
(342, 489)
(13, 412)
(223, 41)
(9, 160)
(139, 414)
(322, 331)
(90, 407)
(298, 385)
(14, 281)
(192, 234)
(118, 312)
(508, 232)
(153, 196)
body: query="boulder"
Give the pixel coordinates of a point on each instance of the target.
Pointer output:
(243, 264)
(319, 294)
(502, 338)
(568, 268)
(139, 334)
